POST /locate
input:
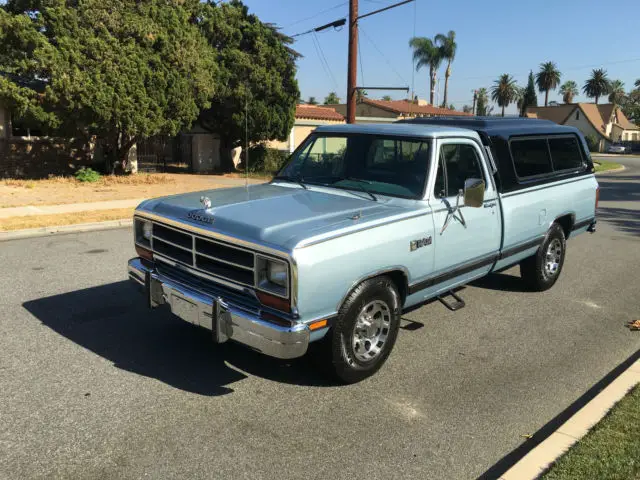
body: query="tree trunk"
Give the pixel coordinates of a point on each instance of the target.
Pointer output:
(432, 75)
(546, 97)
(447, 74)
(597, 96)
(503, 110)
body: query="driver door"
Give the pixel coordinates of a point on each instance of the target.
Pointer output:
(467, 240)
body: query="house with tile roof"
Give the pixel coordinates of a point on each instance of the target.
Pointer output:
(308, 117)
(384, 111)
(607, 122)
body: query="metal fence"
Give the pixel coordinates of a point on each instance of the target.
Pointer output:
(165, 154)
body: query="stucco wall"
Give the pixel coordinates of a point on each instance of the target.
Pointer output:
(300, 131)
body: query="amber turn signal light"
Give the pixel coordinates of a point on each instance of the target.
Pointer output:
(144, 253)
(318, 324)
(597, 196)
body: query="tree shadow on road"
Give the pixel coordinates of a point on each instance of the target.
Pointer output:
(613, 189)
(113, 321)
(623, 219)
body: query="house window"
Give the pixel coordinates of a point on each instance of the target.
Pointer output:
(577, 114)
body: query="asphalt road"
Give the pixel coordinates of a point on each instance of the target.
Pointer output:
(92, 385)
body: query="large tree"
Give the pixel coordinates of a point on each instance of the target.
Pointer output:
(547, 79)
(504, 91)
(448, 48)
(121, 70)
(597, 85)
(257, 77)
(530, 98)
(427, 54)
(331, 98)
(568, 90)
(616, 92)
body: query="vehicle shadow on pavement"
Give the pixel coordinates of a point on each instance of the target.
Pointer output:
(114, 322)
(613, 189)
(501, 281)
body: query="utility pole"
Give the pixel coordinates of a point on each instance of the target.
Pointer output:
(475, 97)
(352, 67)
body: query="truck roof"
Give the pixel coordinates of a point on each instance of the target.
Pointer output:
(401, 129)
(498, 126)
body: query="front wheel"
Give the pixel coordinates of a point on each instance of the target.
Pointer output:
(541, 271)
(364, 332)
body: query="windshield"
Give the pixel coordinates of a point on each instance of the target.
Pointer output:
(394, 166)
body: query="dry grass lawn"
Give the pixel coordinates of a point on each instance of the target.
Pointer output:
(60, 190)
(35, 221)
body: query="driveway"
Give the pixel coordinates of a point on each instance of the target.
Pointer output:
(95, 386)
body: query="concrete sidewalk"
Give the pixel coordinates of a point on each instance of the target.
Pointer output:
(67, 208)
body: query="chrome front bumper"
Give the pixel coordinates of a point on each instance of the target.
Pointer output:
(225, 320)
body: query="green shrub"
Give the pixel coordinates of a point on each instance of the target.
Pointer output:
(267, 160)
(592, 142)
(87, 175)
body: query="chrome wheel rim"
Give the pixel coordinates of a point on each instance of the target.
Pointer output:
(553, 258)
(371, 330)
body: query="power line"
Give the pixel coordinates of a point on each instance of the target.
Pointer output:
(580, 67)
(316, 14)
(382, 55)
(323, 60)
(360, 58)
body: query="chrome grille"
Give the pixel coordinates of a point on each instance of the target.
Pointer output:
(216, 258)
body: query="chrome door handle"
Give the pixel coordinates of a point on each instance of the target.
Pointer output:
(490, 205)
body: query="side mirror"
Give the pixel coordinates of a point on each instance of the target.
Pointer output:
(474, 192)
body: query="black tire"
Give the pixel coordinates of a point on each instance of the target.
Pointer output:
(534, 270)
(336, 354)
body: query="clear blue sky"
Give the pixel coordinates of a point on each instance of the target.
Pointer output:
(495, 37)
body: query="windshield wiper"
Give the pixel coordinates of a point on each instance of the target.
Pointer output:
(288, 178)
(362, 188)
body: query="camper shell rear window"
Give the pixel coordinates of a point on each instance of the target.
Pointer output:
(542, 156)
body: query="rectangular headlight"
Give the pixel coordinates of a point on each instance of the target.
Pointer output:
(273, 275)
(143, 231)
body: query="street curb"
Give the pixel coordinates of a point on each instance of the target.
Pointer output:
(77, 228)
(536, 462)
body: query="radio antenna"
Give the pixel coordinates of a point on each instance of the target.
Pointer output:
(246, 139)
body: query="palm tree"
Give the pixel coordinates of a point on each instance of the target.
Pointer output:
(637, 84)
(519, 99)
(616, 92)
(568, 90)
(547, 79)
(448, 47)
(504, 91)
(360, 95)
(597, 85)
(312, 101)
(483, 100)
(427, 53)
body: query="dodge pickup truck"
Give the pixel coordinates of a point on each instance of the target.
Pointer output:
(362, 222)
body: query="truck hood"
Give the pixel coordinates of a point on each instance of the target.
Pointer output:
(278, 216)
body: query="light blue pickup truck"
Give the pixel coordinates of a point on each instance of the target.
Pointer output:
(362, 222)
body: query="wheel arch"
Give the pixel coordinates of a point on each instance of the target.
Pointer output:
(567, 220)
(398, 275)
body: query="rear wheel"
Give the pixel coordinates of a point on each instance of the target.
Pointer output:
(541, 271)
(364, 332)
